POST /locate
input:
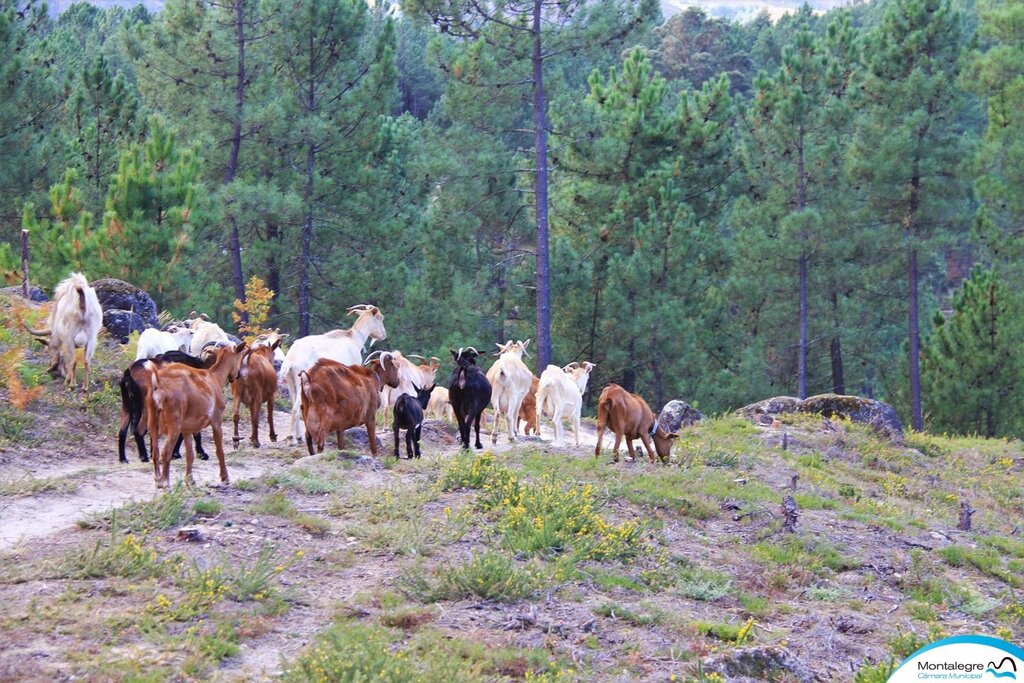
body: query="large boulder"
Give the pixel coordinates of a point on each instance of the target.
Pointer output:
(34, 293)
(120, 323)
(119, 295)
(678, 414)
(879, 416)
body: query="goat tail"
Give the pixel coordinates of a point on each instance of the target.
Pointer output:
(305, 387)
(81, 299)
(35, 333)
(541, 400)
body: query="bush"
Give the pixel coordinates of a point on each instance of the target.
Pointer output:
(489, 576)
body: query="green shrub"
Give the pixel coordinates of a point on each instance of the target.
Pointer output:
(489, 576)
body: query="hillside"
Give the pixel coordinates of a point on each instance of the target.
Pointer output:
(530, 561)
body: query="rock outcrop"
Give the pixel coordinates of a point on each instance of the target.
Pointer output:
(879, 416)
(678, 414)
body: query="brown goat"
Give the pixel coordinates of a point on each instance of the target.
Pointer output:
(183, 400)
(256, 385)
(528, 411)
(336, 397)
(629, 416)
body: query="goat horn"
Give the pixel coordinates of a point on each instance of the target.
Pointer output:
(416, 355)
(370, 357)
(470, 348)
(353, 310)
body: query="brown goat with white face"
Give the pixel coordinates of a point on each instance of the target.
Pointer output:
(183, 400)
(629, 416)
(256, 385)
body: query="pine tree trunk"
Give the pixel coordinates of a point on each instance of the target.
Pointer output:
(541, 195)
(802, 356)
(236, 143)
(273, 269)
(916, 414)
(836, 349)
(307, 239)
(801, 201)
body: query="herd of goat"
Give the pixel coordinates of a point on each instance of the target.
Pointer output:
(175, 387)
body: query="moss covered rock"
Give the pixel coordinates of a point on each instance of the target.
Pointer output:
(769, 663)
(880, 416)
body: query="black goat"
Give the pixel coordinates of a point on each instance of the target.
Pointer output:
(134, 386)
(409, 416)
(469, 392)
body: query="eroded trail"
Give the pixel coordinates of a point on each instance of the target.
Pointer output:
(51, 491)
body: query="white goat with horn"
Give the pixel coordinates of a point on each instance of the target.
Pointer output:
(510, 381)
(560, 395)
(343, 346)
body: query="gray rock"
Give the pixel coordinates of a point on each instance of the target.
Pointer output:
(34, 293)
(678, 414)
(122, 296)
(752, 664)
(882, 417)
(121, 323)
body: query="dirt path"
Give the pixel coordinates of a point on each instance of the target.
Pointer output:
(90, 480)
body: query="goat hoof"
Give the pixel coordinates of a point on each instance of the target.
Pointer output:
(203, 456)
(255, 444)
(273, 438)
(175, 456)
(142, 459)
(235, 440)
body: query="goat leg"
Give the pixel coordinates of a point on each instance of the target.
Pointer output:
(189, 458)
(235, 413)
(270, 419)
(218, 444)
(408, 442)
(177, 447)
(254, 413)
(618, 440)
(395, 430)
(201, 454)
(478, 444)
(419, 429)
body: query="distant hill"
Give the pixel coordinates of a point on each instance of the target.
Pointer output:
(728, 9)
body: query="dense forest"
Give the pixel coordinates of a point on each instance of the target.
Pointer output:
(709, 210)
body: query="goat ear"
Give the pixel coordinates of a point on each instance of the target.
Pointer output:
(526, 343)
(277, 343)
(240, 347)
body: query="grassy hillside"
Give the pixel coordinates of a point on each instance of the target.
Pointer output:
(532, 561)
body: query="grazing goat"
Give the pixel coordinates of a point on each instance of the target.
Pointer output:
(342, 346)
(561, 395)
(153, 342)
(510, 381)
(410, 376)
(409, 416)
(74, 322)
(469, 393)
(528, 411)
(629, 416)
(439, 407)
(134, 390)
(336, 397)
(205, 333)
(183, 400)
(256, 385)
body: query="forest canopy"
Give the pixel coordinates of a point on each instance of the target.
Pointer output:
(710, 210)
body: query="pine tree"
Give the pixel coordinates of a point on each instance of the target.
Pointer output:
(794, 133)
(102, 118)
(972, 363)
(152, 207)
(336, 79)
(634, 236)
(521, 38)
(909, 142)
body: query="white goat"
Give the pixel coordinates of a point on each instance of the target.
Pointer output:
(204, 332)
(74, 322)
(440, 407)
(153, 342)
(343, 346)
(410, 377)
(510, 382)
(560, 394)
